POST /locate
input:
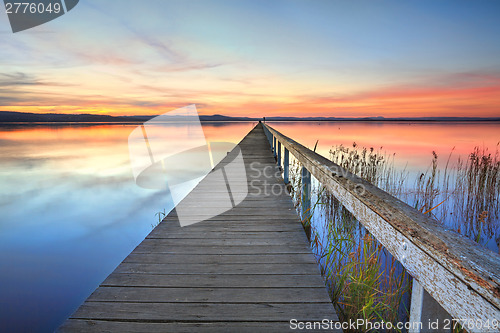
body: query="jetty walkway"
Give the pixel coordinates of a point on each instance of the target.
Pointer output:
(248, 269)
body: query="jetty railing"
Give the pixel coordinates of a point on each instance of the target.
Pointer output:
(463, 277)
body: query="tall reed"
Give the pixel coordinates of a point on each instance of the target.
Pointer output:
(467, 196)
(373, 165)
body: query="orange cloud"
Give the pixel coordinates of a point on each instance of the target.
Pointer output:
(453, 95)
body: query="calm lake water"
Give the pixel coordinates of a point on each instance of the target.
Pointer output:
(71, 211)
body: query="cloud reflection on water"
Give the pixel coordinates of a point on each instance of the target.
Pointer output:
(71, 212)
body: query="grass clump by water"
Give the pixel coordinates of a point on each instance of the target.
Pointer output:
(372, 165)
(465, 197)
(477, 192)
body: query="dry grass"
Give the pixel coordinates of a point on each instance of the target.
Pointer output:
(373, 165)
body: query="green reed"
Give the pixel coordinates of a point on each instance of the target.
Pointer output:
(464, 195)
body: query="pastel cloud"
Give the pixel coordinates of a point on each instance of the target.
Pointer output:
(290, 59)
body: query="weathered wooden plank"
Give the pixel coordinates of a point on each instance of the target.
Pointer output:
(172, 258)
(208, 295)
(84, 326)
(167, 312)
(254, 204)
(219, 268)
(219, 241)
(238, 219)
(219, 249)
(185, 234)
(227, 226)
(264, 213)
(213, 281)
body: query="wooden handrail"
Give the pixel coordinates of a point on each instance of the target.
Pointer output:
(459, 274)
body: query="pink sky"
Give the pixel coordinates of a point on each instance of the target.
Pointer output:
(290, 59)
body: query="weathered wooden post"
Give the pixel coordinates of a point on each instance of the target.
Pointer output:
(279, 154)
(274, 147)
(425, 311)
(306, 202)
(286, 167)
(270, 138)
(306, 193)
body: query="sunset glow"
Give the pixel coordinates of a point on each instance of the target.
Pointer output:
(411, 143)
(251, 58)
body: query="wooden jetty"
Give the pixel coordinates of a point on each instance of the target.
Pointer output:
(251, 268)
(248, 269)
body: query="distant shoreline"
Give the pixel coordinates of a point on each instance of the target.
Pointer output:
(20, 118)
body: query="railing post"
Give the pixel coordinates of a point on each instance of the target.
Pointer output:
(306, 193)
(417, 298)
(286, 167)
(274, 147)
(425, 312)
(279, 154)
(269, 137)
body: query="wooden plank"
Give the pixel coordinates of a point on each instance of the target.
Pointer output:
(219, 268)
(208, 295)
(185, 234)
(286, 212)
(247, 269)
(213, 281)
(176, 258)
(219, 249)
(238, 220)
(228, 226)
(167, 312)
(83, 326)
(219, 241)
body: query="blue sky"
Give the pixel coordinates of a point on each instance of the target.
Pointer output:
(256, 58)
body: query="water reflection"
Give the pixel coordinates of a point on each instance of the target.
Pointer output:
(427, 165)
(413, 143)
(71, 212)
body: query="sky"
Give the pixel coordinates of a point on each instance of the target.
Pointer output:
(258, 58)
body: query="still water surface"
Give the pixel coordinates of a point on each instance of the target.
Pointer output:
(71, 211)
